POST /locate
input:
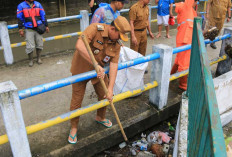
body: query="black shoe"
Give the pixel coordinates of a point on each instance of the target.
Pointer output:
(213, 46)
(146, 71)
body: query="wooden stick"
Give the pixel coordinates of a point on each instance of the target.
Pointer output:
(95, 64)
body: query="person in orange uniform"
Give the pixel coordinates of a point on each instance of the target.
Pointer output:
(185, 16)
(103, 41)
(138, 14)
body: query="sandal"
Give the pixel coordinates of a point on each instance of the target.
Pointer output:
(72, 137)
(107, 121)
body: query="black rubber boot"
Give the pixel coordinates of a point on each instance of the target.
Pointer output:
(213, 45)
(38, 52)
(30, 56)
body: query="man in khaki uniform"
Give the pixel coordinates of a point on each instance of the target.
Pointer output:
(138, 14)
(216, 14)
(103, 41)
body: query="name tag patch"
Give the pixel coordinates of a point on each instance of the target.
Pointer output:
(100, 42)
(106, 59)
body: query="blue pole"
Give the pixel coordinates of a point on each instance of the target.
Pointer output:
(91, 74)
(188, 47)
(52, 20)
(80, 77)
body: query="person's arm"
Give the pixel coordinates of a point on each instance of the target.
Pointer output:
(229, 12)
(207, 10)
(91, 3)
(43, 18)
(133, 38)
(149, 30)
(112, 78)
(170, 10)
(20, 17)
(80, 46)
(97, 16)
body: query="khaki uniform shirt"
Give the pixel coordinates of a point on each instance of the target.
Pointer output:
(104, 50)
(218, 8)
(139, 14)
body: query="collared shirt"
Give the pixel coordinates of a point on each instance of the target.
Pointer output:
(104, 50)
(139, 14)
(104, 14)
(218, 8)
(163, 7)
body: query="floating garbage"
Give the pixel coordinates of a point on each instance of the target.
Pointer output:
(122, 145)
(157, 149)
(158, 137)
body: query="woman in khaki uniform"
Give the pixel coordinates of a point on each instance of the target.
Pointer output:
(138, 14)
(102, 39)
(216, 14)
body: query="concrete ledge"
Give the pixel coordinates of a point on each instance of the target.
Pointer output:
(223, 90)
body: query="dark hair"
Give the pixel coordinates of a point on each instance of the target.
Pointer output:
(112, 24)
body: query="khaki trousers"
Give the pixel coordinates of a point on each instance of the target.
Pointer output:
(141, 37)
(78, 91)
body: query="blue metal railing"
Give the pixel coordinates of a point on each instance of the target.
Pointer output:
(91, 74)
(52, 20)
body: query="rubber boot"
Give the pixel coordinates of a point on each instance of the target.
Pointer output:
(38, 52)
(30, 56)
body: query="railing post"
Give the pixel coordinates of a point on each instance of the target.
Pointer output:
(62, 8)
(84, 21)
(13, 120)
(160, 71)
(225, 65)
(5, 40)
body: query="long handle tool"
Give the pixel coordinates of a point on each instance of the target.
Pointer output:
(103, 85)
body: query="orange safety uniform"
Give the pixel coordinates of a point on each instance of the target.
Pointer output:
(139, 14)
(185, 16)
(104, 51)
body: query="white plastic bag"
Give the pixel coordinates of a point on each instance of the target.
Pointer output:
(130, 78)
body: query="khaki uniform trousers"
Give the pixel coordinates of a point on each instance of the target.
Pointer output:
(141, 37)
(78, 91)
(215, 22)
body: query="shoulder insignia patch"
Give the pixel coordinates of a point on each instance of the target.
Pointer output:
(100, 27)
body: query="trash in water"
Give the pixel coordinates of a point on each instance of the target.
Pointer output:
(158, 137)
(157, 150)
(166, 148)
(122, 145)
(170, 127)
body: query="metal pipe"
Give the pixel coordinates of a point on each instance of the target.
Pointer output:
(78, 112)
(52, 20)
(47, 39)
(91, 74)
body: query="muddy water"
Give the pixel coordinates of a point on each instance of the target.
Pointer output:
(61, 45)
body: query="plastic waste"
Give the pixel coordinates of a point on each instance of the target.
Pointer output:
(158, 137)
(170, 127)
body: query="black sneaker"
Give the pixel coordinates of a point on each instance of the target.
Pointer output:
(213, 46)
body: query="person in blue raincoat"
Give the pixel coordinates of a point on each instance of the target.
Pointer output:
(106, 13)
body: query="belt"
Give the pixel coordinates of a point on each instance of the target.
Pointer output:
(139, 29)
